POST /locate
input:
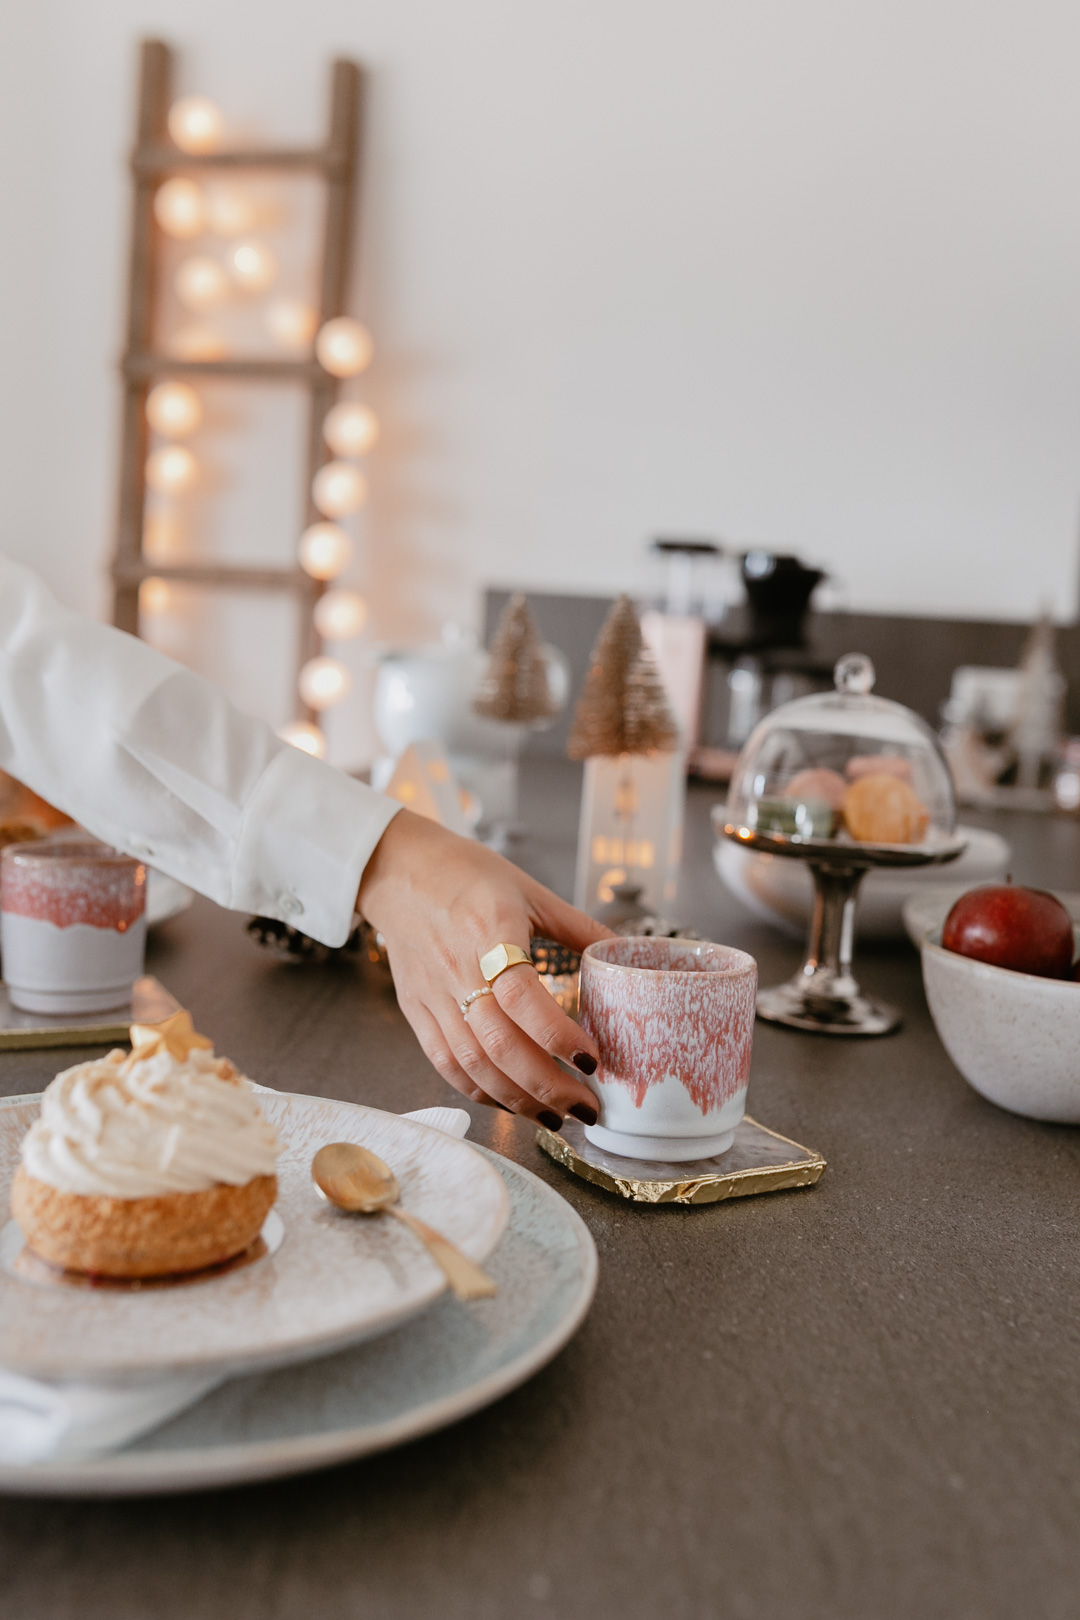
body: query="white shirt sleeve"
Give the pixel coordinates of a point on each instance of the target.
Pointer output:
(157, 762)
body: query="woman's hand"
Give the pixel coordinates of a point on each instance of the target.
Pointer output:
(440, 902)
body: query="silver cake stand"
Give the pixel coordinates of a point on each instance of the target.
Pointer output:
(824, 996)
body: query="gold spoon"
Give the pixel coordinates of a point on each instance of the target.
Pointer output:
(354, 1179)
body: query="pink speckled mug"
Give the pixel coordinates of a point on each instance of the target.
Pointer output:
(674, 1022)
(72, 924)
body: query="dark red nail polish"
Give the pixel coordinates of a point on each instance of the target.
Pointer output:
(586, 1064)
(587, 1115)
(551, 1120)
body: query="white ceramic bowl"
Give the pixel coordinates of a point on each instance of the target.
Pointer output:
(1013, 1036)
(781, 890)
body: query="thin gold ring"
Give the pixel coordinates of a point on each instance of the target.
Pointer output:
(501, 957)
(474, 995)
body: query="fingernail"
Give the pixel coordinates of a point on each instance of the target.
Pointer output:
(585, 1062)
(587, 1115)
(552, 1121)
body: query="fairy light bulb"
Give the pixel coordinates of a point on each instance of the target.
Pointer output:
(252, 266)
(291, 323)
(340, 614)
(180, 208)
(305, 736)
(163, 540)
(155, 597)
(344, 347)
(230, 211)
(196, 124)
(171, 470)
(325, 551)
(174, 410)
(351, 429)
(194, 341)
(338, 489)
(323, 682)
(201, 283)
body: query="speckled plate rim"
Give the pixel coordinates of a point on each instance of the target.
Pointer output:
(148, 1473)
(298, 1347)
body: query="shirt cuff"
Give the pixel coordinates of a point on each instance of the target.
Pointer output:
(307, 834)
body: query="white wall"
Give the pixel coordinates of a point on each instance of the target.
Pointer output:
(805, 273)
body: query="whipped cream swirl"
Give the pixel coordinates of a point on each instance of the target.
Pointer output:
(126, 1127)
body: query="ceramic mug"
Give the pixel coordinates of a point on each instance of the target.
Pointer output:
(72, 924)
(674, 1023)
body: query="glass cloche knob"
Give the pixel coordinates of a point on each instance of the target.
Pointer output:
(854, 675)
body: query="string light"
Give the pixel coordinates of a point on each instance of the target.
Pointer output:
(196, 124)
(323, 682)
(197, 342)
(302, 734)
(162, 535)
(173, 410)
(339, 488)
(340, 614)
(179, 208)
(351, 429)
(291, 323)
(201, 283)
(253, 266)
(154, 597)
(325, 551)
(229, 211)
(344, 347)
(171, 470)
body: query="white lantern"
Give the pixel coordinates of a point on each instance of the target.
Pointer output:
(196, 124)
(340, 614)
(325, 551)
(351, 429)
(194, 341)
(303, 735)
(173, 409)
(324, 682)
(344, 347)
(630, 832)
(230, 211)
(252, 266)
(291, 323)
(339, 488)
(201, 282)
(171, 470)
(180, 208)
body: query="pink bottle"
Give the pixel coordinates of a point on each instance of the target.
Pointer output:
(72, 924)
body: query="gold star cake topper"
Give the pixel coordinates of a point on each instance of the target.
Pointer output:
(175, 1035)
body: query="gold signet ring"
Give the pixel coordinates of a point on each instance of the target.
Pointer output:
(501, 957)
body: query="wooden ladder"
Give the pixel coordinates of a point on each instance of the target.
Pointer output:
(154, 159)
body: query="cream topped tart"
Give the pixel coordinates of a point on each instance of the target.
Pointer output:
(146, 1163)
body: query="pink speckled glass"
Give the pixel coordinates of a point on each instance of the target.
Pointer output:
(674, 1022)
(72, 924)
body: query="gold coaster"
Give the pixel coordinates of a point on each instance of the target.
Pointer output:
(151, 1003)
(758, 1161)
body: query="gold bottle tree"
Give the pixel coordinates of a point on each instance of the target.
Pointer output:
(516, 691)
(633, 798)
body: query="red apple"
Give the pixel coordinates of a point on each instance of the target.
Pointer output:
(1027, 930)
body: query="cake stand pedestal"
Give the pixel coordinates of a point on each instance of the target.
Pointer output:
(823, 997)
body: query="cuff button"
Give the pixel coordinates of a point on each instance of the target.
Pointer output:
(290, 905)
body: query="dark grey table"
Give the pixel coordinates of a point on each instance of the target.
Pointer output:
(855, 1403)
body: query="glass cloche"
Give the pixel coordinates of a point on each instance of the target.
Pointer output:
(845, 781)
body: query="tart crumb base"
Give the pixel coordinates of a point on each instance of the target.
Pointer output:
(140, 1237)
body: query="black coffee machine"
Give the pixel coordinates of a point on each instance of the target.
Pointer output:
(764, 649)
